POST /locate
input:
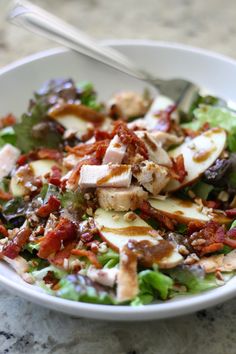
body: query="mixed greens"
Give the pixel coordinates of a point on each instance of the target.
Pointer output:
(120, 203)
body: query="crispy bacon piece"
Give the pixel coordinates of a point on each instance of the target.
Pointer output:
(134, 144)
(102, 135)
(58, 258)
(52, 154)
(7, 121)
(178, 169)
(96, 149)
(194, 226)
(5, 195)
(65, 231)
(13, 248)
(55, 176)
(231, 213)
(214, 204)
(164, 119)
(74, 177)
(230, 238)
(214, 236)
(164, 220)
(89, 254)
(3, 231)
(51, 206)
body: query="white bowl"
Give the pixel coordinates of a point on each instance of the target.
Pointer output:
(20, 79)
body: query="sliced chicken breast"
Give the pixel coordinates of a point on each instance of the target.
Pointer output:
(115, 151)
(151, 176)
(105, 176)
(121, 199)
(8, 157)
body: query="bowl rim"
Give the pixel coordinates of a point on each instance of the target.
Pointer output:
(151, 311)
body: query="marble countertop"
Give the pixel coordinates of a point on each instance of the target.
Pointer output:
(28, 328)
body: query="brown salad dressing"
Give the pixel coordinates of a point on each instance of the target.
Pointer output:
(202, 155)
(148, 253)
(115, 171)
(128, 231)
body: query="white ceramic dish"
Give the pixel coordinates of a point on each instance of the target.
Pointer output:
(20, 79)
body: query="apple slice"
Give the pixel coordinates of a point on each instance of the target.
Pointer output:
(185, 211)
(117, 232)
(73, 124)
(199, 154)
(39, 167)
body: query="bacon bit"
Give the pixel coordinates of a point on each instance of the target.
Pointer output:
(3, 231)
(194, 226)
(213, 233)
(7, 121)
(50, 278)
(55, 176)
(102, 135)
(88, 135)
(211, 204)
(205, 127)
(22, 160)
(178, 169)
(90, 149)
(53, 204)
(13, 249)
(164, 119)
(51, 154)
(74, 177)
(164, 220)
(191, 133)
(231, 213)
(89, 254)
(230, 238)
(58, 258)
(5, 195)
(134, 144)
(52, 242)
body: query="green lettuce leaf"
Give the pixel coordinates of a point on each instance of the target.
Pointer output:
(109, 259)
(40, 274)
(216, 117)
(193, 277)
(152, 285)
(202, 189)
(72, 200)
(7, 136)
(81, 288)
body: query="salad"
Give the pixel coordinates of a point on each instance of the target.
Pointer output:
(124, 202)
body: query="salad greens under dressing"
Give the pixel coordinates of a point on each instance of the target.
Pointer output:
(126, 244)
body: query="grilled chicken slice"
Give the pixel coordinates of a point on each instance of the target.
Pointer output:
(155, 152)
(8, 157)
(115, 151)
(121, 199)
(105, 176)
(151, 176)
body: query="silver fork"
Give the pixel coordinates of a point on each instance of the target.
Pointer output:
(37, 20)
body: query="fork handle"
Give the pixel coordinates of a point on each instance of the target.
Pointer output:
(35, 19)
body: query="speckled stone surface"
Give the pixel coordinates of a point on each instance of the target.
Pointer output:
(27, 328)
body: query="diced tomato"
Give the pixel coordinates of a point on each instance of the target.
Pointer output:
(64, 231)
(13, 249)
(51, 206)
